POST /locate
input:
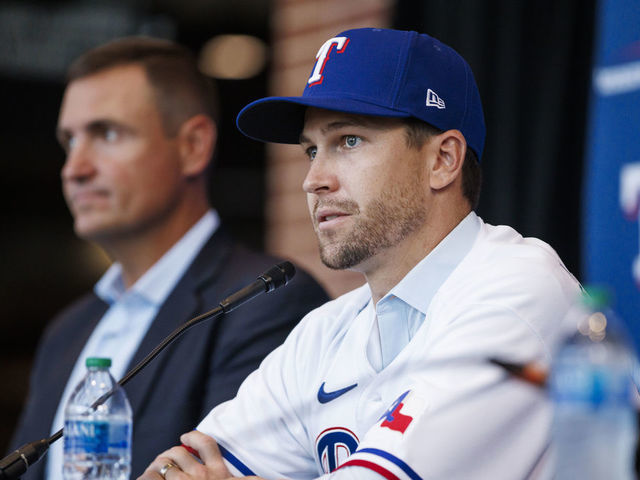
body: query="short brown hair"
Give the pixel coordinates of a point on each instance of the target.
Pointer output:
(418, 132)
(181, 90)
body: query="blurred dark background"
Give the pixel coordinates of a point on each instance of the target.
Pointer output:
(531, 60)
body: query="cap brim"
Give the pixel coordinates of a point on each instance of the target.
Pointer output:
(281, 119)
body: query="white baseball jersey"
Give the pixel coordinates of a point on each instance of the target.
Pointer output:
(327, 399)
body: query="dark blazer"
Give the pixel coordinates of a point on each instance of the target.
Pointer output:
(202, 368)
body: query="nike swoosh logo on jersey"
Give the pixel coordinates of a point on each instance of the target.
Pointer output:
(326, 397)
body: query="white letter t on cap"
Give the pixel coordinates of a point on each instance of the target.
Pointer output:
(323, 55)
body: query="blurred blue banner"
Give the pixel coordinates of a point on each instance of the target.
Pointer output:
(612, 175)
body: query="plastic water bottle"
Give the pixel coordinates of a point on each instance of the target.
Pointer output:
(595, 426)
(97, 441)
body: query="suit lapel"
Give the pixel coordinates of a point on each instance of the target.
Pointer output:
(182, 304)
(70, 351)
(55, 382)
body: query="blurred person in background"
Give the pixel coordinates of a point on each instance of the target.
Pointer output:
(138, 125)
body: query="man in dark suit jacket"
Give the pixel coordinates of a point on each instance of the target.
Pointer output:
(138, 125)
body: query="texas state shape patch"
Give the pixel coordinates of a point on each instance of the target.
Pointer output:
(402, 412)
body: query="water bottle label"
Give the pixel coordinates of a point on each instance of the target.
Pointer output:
(86, 436)
(120, 436)
(589, 386)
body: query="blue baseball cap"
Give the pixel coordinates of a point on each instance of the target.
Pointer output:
(380, 72)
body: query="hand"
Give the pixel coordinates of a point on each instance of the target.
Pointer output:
(186, 466)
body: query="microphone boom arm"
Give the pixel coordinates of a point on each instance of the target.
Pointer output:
(17, 462)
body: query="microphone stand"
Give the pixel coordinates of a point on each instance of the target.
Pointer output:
(17, 462)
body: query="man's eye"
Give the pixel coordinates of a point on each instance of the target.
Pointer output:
(110, 135)
(311, 152)
(351, 141)
(69, 143)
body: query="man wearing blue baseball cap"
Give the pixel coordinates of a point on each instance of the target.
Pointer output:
(394, 379)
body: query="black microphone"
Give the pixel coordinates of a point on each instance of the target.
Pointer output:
(17, 462)
(276, 277)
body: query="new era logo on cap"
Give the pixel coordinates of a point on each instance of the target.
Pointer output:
(433, 100)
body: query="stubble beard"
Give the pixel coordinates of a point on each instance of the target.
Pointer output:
(382, 224)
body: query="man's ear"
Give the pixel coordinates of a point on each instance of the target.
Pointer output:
(451, 149)
(197, 138)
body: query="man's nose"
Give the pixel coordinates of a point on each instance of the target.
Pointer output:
(79, 163)
(321, 176)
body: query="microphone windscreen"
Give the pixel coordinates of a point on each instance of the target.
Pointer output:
(278, 275)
